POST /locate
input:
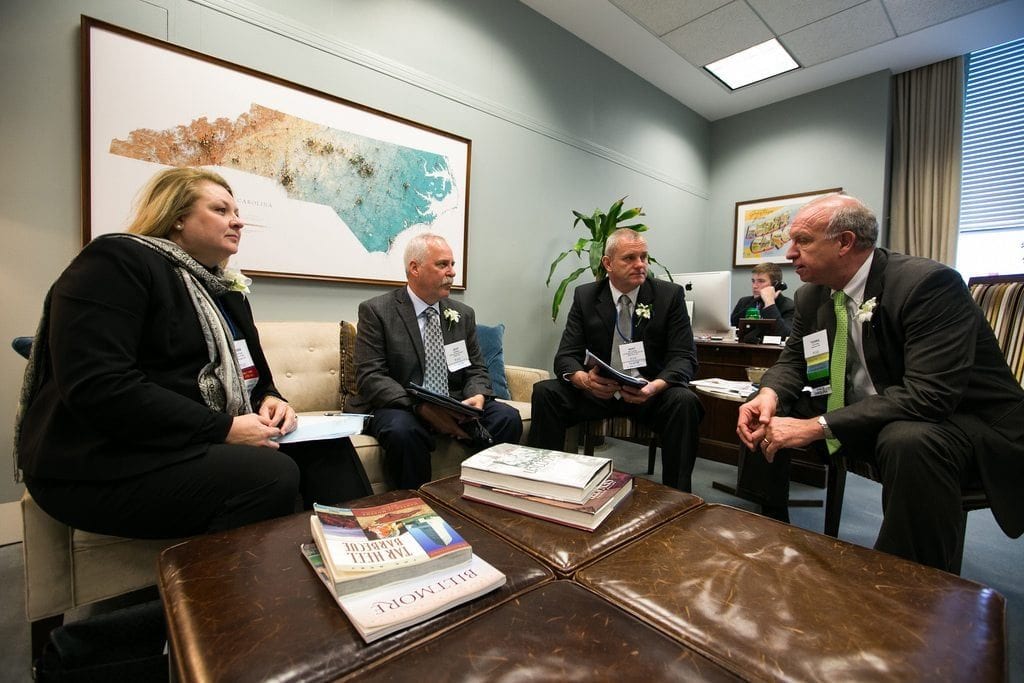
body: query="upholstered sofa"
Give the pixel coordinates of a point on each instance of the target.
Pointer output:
(313, 367)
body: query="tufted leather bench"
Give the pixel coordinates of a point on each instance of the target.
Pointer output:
(770, 601)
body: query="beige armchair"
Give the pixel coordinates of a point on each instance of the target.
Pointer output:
(313, 367)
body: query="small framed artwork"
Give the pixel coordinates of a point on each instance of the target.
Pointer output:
(329, 189)
(762, 226)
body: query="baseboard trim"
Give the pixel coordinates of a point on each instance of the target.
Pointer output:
(10, 523)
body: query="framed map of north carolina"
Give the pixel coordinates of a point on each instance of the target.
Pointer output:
(328, 189)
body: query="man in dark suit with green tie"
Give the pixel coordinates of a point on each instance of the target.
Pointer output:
(636, 324)
(924, 393)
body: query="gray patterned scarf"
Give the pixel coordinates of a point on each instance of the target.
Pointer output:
(220, 380)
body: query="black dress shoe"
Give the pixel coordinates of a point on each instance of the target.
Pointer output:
(779, 512)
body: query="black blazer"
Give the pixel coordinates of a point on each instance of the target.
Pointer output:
(667, 337)
(118, 394)
(932, 356)
(389, 352)
(781, 311)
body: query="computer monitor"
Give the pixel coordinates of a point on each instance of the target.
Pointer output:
(710, 294)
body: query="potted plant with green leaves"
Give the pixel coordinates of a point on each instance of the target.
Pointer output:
(600, 225)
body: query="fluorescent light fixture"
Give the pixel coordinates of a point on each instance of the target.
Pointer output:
(753, 64)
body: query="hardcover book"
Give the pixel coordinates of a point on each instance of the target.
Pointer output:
(372, 546)
(378, 612)
(587, 516)
(552, 474)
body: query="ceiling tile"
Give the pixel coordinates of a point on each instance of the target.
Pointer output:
(718, 34)
(663, 16)
(841, 34)
(783, 16)
(912, 15)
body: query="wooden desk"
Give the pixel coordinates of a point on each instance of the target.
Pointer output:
(718, 441)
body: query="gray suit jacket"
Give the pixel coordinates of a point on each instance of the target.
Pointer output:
(389, 352)
(932, 357)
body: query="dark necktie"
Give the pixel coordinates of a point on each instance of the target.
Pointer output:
(837, 366)
(623, 330)
(435, 375)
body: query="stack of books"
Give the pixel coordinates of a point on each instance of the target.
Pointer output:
(395, 565)
(567, 488)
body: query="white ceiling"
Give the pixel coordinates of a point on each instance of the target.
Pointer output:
(667, 42)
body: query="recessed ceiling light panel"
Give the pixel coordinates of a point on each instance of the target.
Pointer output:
(753, 64)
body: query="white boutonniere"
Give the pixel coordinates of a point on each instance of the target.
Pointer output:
(452, 316)
(866, 310)
(236, 281)
(643, 312)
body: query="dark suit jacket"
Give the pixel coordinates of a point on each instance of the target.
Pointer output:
(932, 357)
(667, 337)
(389, 352)
(118, 395)
(781, 311)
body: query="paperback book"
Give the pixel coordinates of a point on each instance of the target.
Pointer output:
(587, 516)
(378, 612)
(608, 372)
(552, 474)
(368, 547)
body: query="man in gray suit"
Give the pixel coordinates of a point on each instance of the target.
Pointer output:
(927, 395)
(393, 350)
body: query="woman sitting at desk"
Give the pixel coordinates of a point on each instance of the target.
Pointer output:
(766, 284)
(148, 409)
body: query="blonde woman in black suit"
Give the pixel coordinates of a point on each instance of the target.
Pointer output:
(149, 409)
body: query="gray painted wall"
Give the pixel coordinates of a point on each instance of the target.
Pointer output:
(835, 137)
(555, 126)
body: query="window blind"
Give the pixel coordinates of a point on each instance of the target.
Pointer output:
(992, 185)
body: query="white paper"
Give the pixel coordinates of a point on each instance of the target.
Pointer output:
(317, 427)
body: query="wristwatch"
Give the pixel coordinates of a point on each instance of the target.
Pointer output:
(824, 427)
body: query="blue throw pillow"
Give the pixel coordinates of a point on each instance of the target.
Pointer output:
(489, 339)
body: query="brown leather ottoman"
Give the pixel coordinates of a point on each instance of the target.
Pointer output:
(558, 632)
(564, 548)
(244, 605)
(774, 602)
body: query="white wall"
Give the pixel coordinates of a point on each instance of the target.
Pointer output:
(555, 126)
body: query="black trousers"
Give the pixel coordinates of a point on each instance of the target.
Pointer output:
(923, 467)
(408, 441)
(674, 415)
(227, 487)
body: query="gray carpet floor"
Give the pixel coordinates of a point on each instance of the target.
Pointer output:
(990, 557)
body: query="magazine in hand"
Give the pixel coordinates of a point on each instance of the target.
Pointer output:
(552, 474)
(373, 546)
(447, 402)
(587, 516)
(381, 611)
(609, 372)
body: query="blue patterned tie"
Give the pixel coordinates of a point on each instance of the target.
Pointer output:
(837, 367)
(435, 375)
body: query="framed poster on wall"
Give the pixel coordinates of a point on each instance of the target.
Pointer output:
(328, 189)
(762, 227)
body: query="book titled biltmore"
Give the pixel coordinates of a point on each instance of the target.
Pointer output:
(552, 474)
(377, 612)
(368, 547)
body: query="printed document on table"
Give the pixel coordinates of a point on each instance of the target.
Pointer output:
(318, 426)
(729, 388)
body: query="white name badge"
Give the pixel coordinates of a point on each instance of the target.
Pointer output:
(456, 355)
(632, 355)
(816, 345)
(249, 372)
(772, 339)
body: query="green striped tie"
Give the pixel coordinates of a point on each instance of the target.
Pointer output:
(837, 366)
